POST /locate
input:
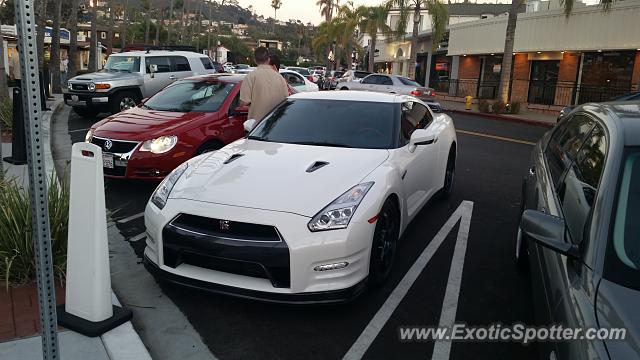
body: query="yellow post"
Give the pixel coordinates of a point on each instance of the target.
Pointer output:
(467, 102)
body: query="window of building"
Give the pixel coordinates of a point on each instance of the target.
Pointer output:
(490, 70)
(542, 82)
(606, 75)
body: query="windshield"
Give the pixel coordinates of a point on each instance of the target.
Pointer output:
(301, 71)
(408, 82)
(623, 264)
(365, 125)
(190, 96)
(242, 66)
(360, 75)
(123, 64)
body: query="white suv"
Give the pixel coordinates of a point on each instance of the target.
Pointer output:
(129, 77)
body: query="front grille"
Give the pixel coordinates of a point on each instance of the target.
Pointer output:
(80, 87)
(117, 147)
(196, 241)
(226, 229)
(116, 171)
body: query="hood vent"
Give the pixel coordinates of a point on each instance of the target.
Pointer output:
(233, 158)
(317, 165)
(83, 79)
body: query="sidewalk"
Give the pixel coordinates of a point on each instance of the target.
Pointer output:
(19, 314)
(523, 117)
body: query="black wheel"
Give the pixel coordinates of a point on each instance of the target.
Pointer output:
(449, 175)
(385, 239)
(122, 101)
(85, 112)
(209, 147)
(344, 88)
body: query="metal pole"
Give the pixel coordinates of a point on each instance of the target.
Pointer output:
(26, 30)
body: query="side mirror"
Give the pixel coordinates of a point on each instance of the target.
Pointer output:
(153, 68)
(548, 231)
(249, 125)
(422, 137)
(241, 110)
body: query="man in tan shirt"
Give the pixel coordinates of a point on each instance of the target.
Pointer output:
(263, 88)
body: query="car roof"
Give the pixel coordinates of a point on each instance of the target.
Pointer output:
(188, 54)
(625, 113)
(350, 95)
(229, 78)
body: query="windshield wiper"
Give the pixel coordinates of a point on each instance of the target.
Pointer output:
(321, 143)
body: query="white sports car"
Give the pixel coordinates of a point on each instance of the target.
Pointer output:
(309, 206)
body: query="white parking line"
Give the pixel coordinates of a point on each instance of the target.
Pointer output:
(132, 217)
(369, 334)
(442, 349)
(137, 237)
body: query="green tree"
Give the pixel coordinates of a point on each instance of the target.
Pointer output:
(276, 5)
(327, 8)
(374, 21)
(72, 25)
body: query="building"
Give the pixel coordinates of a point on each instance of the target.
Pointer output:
(270, 44)
(558, 60)
(392, 56)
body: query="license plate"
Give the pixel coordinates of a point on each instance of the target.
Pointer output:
(107, 161)
(74, 98)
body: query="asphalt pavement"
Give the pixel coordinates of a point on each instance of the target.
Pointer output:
(493, 157)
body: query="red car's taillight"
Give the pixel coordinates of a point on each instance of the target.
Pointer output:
(310, 78)
(416, 93)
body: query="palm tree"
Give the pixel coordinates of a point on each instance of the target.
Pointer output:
(349, 18)
(54, 65)
(170, 23)
(93, 45)
(110, 32)
(147, 6)
(300, 32)
(73, 39)
(123, 25)
(327, 7)
(439, 20)
(373, 21)
(275, 4)
(507, 55)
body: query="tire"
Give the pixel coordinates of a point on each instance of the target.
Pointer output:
(122, 101)
(383, 248)
(449, 175)
(344, 88)
(208, 147)
(85, 112)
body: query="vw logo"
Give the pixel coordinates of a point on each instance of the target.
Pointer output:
(224, 225)
(108, 145)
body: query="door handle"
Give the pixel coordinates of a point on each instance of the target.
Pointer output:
(172, 77)
(532, 170)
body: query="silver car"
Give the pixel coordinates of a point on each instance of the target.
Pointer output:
(579, 237)
(129, 77)
(394, 84)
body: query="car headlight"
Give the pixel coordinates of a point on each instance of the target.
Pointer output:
(159, 145)
(91, 87)
(160, 196)
(338, 214)
(89, 136)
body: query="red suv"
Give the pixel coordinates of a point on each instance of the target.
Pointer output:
(185, 119)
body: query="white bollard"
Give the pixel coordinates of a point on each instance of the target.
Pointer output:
(88, 309)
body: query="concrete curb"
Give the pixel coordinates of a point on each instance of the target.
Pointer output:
(123, 342)
(504, 118)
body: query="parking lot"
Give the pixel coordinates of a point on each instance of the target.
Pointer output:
(493, 157)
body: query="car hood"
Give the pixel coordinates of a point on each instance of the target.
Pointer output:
(274, 176)
(138, 124)
(617, 307)
(106, 76)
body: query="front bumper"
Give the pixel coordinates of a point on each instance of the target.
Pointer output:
(303, 252)
(84, 99)
(322, 297)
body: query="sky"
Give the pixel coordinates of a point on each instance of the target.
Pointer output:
(308, 11)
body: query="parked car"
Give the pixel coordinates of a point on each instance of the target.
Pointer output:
(395, 84)
(302, 71)
(341, 175)
(352, 75)
(187, 118)
(228, 67)
(579, 231)
(626, 97)
(243, 69)
(331, 79)
(297, 81)
(127, 78)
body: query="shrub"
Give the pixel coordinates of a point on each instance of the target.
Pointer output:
(498, 107)
(484, 106)
(6, 114)
(17, 255)
(515, 107)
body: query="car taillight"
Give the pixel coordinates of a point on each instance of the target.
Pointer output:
(310, 78)
(416, 93)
